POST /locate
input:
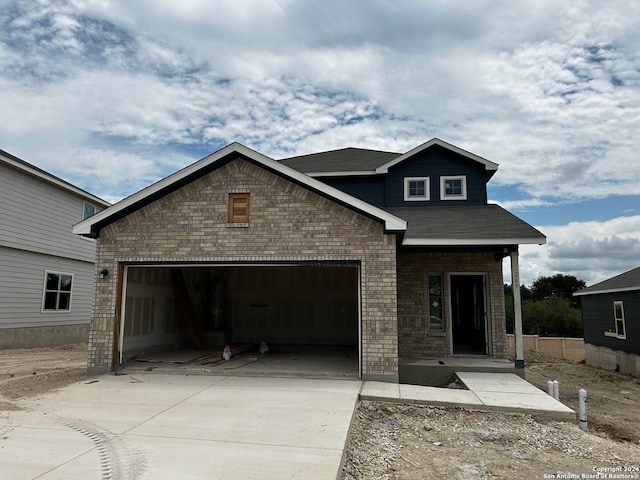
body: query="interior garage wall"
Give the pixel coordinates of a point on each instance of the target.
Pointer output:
(278, 304)
(294, 305)
(151, 320)
(288, 223)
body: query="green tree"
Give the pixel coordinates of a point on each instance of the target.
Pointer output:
(548, 307)
(551, 317)
(558, 286)
(525, 294)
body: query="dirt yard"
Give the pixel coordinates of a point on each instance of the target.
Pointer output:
(412, 442)
(30, 372)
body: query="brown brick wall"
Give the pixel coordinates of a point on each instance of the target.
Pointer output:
(287, 222)
(414, 339)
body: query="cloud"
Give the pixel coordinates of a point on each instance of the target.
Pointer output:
(592, 251)
(549, 91)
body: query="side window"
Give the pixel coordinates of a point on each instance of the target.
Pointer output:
(88, 210)
(618, 314)
(453, 188)
(434, 301)
(57, 292)
(416, 189)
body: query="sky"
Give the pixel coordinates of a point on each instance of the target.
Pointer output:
(114, 95)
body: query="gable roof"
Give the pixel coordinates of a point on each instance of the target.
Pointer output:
(625, 282)
(92, 225)
(475, 225)
(345, 160)
(32, 170)
(357, 161)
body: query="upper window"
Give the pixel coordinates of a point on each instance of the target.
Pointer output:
(88, 210)
(416, 188)
(238, 208)
(618, 313)
(453, 188)
(57, 292)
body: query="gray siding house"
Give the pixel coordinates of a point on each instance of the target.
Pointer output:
(46, 289)
(611, 321)
(395, 256)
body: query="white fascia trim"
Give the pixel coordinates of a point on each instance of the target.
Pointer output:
(55, 181)
(436, 141)
(392, 222)
(610, 290)
(454, 242)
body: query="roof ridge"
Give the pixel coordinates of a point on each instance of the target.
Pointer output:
(324, 152)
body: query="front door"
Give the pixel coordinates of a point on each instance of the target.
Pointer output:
(468, 314)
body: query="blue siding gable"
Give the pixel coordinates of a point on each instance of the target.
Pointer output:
(370, 189)
(435, 163)
(385, 190)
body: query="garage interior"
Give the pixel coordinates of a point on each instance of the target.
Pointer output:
(182, 316)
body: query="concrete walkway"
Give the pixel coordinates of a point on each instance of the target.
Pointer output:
(158, 426)
(504, 392)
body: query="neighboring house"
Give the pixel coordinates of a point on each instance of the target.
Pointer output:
(610, 313)
(397, 255)
(46, 287)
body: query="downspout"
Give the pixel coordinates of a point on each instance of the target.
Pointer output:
(517, 309)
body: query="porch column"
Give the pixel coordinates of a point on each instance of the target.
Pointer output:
(517, 309)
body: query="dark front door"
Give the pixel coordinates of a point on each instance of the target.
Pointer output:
(468, 314)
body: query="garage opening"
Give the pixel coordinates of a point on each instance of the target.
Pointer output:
(184, 313)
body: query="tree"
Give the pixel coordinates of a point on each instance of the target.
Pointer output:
(551, 317)
(548, 307)
(557, 286)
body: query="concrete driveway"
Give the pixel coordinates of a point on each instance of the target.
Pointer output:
(155, 426)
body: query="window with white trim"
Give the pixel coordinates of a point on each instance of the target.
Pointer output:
(57, 292)
(618, 314)
(416, 189)
(453, 188)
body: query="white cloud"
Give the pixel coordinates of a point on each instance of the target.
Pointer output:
(592, 251)
(550, 91)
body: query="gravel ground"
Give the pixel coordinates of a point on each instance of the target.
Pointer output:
(394, 441)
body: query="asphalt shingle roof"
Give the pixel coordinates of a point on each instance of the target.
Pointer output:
(481, 223)
(343, 160)
(625, 281)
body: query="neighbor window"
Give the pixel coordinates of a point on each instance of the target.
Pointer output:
(416, 188)
(453, 188)
(89, 210)
(434, 299)
(618, 314)
(57, 291)
(238, 208)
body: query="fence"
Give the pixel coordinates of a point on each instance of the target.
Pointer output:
(571, 349)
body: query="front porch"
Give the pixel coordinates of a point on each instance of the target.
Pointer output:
(440, 371)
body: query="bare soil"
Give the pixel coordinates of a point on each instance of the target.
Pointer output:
(32, 371)
(395, 441)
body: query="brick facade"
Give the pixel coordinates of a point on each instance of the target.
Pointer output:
(413, 314)
(287, 222)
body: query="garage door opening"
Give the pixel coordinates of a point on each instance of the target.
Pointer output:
(300, 311)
